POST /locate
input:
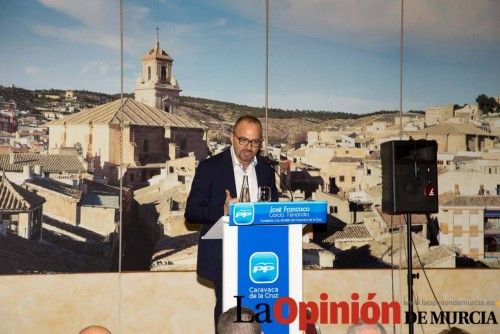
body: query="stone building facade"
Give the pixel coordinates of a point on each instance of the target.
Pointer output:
(437, 114)
(470, 223)
(453, 137)
(150, 137)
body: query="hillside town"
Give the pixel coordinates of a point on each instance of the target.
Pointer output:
(65, 166)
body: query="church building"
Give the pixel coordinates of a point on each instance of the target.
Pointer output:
(148, 129)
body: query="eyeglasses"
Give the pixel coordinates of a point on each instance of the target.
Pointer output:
(244, 141)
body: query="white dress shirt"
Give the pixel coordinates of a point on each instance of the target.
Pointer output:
(250, 172)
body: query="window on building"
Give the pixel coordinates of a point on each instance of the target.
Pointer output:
(368, 171)
(353, 179)
(174, 205)
(14, 224)
(459, 242)
(473, 219)
(131, 177)
(149, 72)
(163, 74)
(145, 145)
(5, 217)
(458, 218)
(341, 178)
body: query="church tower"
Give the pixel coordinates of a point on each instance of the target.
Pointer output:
(156, 86)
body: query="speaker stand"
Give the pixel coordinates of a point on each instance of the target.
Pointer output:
(410, 272)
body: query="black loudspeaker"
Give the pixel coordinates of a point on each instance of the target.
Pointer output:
(409, 176)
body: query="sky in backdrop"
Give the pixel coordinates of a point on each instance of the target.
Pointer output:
(333, 55)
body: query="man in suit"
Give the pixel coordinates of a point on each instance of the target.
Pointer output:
(216, 184)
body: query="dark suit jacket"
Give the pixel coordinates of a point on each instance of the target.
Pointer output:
(205, 205)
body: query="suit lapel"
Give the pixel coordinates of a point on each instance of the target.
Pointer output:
(228, 171)
(258, 172)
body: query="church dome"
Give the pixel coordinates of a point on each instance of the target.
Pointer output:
(157, 53)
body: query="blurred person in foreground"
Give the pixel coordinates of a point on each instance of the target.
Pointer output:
(228, 322)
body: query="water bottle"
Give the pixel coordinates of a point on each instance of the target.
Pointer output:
(245, 191)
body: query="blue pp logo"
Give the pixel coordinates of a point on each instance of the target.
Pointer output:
(264, 267)
(243, 213)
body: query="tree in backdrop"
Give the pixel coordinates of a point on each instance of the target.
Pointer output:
(487, 104)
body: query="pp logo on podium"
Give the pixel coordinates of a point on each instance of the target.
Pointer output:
(243, 213)
(264, 267)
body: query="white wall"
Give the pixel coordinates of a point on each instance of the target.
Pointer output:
(174, 302)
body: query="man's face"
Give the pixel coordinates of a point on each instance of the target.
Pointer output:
(251, 132)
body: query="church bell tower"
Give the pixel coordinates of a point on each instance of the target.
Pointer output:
(156, 85)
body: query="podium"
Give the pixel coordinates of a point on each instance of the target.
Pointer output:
(262, 259)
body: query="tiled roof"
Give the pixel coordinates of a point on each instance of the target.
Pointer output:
(50, 162)
(375, 155)
(464, 158)
(353, 232)
(346, 159)
(51, 184)
(175, 253)
(299, 152)
(6, 134)
(98, 200)
(382, 248)
(364, 140)
(450, 199)
(452, 128)
(134, 113)
(16, 198)
(156, 53)
(433, 256)
(399, 220)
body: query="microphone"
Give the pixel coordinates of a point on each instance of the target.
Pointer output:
(269, 163)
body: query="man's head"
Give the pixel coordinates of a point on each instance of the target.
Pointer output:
(366, 329)
(227, 322)
(95, 330)
(246, 138)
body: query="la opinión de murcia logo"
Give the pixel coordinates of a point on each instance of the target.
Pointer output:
(286, 310)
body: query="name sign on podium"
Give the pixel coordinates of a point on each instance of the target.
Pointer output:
(262, 256)
(277, 213)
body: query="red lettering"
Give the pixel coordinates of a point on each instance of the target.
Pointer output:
(278, 310)
(304, 317)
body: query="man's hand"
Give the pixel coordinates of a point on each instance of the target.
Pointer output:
(229, 200)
